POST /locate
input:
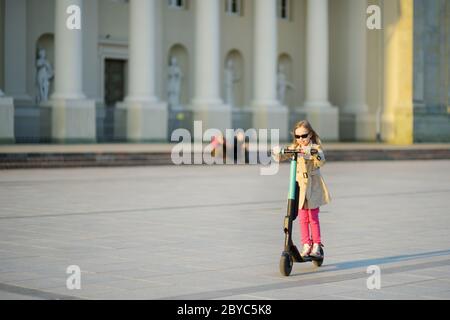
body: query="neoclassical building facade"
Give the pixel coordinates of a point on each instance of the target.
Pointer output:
(136, 70)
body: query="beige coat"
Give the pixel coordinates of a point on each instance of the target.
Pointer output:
(313, 190)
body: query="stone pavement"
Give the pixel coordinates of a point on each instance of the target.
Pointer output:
(215, 232)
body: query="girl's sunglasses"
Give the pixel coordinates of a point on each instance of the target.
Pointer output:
(303, 136)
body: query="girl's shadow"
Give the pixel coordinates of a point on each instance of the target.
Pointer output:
(347, 265)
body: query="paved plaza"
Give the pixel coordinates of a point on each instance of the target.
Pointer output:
(215, 232)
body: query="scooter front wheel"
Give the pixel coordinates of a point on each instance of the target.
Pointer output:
(286, 264)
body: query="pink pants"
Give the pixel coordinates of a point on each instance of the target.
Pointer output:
(309, 218)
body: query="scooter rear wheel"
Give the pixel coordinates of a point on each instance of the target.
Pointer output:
(319, 262)
(286, 264)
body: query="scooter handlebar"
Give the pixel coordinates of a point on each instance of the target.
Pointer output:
(296, 151)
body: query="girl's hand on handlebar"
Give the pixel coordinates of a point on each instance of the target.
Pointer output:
(276, 150)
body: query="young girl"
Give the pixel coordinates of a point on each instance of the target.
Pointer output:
(313, 191)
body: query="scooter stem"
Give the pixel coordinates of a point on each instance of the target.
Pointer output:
(292, 177)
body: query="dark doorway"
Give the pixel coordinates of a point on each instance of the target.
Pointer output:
(114, 92)
(114, 81)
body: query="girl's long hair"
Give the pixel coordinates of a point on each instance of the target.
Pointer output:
(305, 124)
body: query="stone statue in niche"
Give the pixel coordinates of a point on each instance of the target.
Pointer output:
(282, 85)
(230, 79)
(174, 83)
(43, 76)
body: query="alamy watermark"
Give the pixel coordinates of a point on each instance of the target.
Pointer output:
(74, 280)
(373, 21)
(73, 21)
(237, 144)
(374, 281)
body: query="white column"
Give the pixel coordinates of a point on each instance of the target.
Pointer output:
(319, 112)
(207, 52)
(268, 113)
(317, 61)
(265, 53)
(146, 116)
(72, 115)
(6, 119)
(68, 54)
(356, 124)
(142, 51)
(357, 60)
(207, 104)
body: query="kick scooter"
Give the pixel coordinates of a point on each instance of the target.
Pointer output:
(290, 253)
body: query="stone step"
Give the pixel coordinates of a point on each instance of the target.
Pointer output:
(52, 158)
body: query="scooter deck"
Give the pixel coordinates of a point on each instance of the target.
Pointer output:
(310, 258)
(296, 257)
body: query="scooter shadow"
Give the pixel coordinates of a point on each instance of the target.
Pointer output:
(348, 265)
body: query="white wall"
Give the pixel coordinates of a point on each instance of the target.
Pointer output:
(90, 50)
(291, 40)
(339, 41)
(15, 65)
(177, 27)
(237, 33)
(375, 66)
(113, 19)
(40, 20)
(2, 41)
